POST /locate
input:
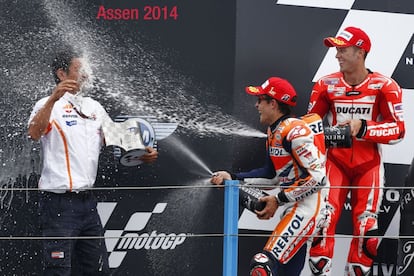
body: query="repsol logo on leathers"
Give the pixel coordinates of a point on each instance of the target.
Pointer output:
(273, 151)
(283, 241)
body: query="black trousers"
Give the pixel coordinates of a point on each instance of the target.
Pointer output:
(72, 215)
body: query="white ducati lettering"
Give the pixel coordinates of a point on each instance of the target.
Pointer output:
(384, 132)
(353, 110)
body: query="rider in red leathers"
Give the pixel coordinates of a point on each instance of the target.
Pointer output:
(370, 104)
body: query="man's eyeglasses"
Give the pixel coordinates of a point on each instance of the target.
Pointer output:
(263, 98)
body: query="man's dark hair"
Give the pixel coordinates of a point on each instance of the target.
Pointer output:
(62, 61)
(284, 108)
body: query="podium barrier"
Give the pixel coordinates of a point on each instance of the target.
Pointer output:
(231, 218)
(405, 253)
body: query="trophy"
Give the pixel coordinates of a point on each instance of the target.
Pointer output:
(131, 134)
(127, 136)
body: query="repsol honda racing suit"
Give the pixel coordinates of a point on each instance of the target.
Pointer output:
(377, 103)
(296, 154)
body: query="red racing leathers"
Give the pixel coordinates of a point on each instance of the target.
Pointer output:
(377, 103)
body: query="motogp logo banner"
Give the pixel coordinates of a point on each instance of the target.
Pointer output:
(134, 235)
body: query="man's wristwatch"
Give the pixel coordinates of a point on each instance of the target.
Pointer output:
(279, 202)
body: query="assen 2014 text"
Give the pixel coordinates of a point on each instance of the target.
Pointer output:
(148, 13)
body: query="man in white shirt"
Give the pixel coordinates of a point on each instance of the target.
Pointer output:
(71, 139)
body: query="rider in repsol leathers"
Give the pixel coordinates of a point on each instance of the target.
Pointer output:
(296, 155)
(371, 104)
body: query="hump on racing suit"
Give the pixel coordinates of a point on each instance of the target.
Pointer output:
(298, 153)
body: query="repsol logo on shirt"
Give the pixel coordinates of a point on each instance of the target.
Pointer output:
(71, 123)
(289, 234)
(353, 110)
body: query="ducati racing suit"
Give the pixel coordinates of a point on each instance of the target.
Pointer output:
(377, 103)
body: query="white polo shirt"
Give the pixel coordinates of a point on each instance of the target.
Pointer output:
(71, 144)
